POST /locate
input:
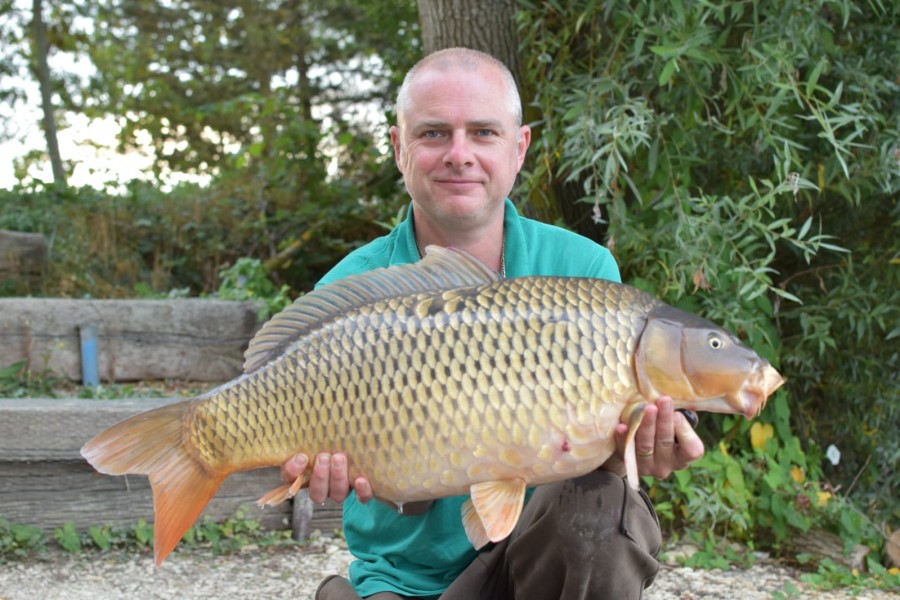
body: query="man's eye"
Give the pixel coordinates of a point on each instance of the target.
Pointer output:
(484, 132)
(431, 133)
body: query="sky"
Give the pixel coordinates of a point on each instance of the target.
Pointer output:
(90, 143)
(87, 146)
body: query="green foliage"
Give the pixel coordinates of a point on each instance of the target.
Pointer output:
(19, 541)
(23, 541)
(234, 533)
(262, 83)
(831, 576)
(248, 279)
(762, 497)
(277, 108)
(718, 553)
(745, 493)
(741, 160)
(68, 537)
(10, 378)
(150, 243)
(17, 381)
(221, 537)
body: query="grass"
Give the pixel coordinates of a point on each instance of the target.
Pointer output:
(17, 382)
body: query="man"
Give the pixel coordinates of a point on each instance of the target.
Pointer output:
(459, 143)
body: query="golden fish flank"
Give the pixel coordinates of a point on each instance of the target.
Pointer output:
(438, 379)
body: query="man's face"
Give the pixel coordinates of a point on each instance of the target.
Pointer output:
(458, 146)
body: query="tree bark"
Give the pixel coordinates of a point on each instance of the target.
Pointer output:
(41, 47)
(22, 254)
(486, 25)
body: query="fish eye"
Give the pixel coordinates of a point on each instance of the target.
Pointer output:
(715, 342)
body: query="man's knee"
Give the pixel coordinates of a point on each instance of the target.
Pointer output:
(591, 537)
(597, 516)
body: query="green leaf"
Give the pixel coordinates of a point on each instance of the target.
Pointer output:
(813, 79)
(68, 538)
(668, 71)
(665, 51)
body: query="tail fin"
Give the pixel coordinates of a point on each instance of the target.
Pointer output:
(151, 444)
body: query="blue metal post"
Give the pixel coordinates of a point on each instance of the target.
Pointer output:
(90, 355)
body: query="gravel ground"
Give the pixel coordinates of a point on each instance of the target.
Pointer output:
(295, 573)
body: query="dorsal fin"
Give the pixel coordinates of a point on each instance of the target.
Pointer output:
(440, 269)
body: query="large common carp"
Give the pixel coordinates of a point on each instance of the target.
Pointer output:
(438, 379)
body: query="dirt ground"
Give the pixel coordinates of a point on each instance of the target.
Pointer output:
(293, 572)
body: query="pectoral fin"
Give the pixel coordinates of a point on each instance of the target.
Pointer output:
(493, 510)
(634, 417)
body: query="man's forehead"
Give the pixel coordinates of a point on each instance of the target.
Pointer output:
(482, 72)
(426, 122)
(480, 91)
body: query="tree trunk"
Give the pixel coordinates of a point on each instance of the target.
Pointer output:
(486, 25)
(21, 254)
(41, 47)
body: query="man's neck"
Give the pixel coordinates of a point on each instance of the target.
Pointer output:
(484, 243)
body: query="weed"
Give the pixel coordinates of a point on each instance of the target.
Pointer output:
(831, 575)
(19, 541)
(230, 535)
(18, 381)
(69, 538)
(248, 279)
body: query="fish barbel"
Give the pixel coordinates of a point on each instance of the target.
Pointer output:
(439, 379)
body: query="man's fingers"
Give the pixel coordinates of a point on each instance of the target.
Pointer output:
(690, 446)
(319, 484)
(690, 415)
(339, 484)
(665, 437)
(294, 467)
(363, 489)
(645, 438)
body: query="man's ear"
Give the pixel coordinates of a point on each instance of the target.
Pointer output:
(523, 141)
(395, 142)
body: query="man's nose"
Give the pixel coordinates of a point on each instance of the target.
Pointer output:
(459, 154)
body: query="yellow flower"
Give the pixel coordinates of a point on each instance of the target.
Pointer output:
(760, 433)
(723, 448)
(824, 498)
(798, 474)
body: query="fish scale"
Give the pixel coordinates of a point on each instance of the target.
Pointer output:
(439, 379)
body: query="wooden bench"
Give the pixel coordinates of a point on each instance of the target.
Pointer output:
(45, 482)
(139, 340)
(43, 479)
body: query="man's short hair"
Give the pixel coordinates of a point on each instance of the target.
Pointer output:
(467, 59)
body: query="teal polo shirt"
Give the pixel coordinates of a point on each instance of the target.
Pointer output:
(422, 555)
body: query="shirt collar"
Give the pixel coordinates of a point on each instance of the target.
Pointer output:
(406, 251)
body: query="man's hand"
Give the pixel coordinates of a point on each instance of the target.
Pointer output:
(330, 477)
(664, 442)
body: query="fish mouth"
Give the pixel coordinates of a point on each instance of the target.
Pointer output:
(759, 385)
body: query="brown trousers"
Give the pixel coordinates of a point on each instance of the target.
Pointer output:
(591, 537)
